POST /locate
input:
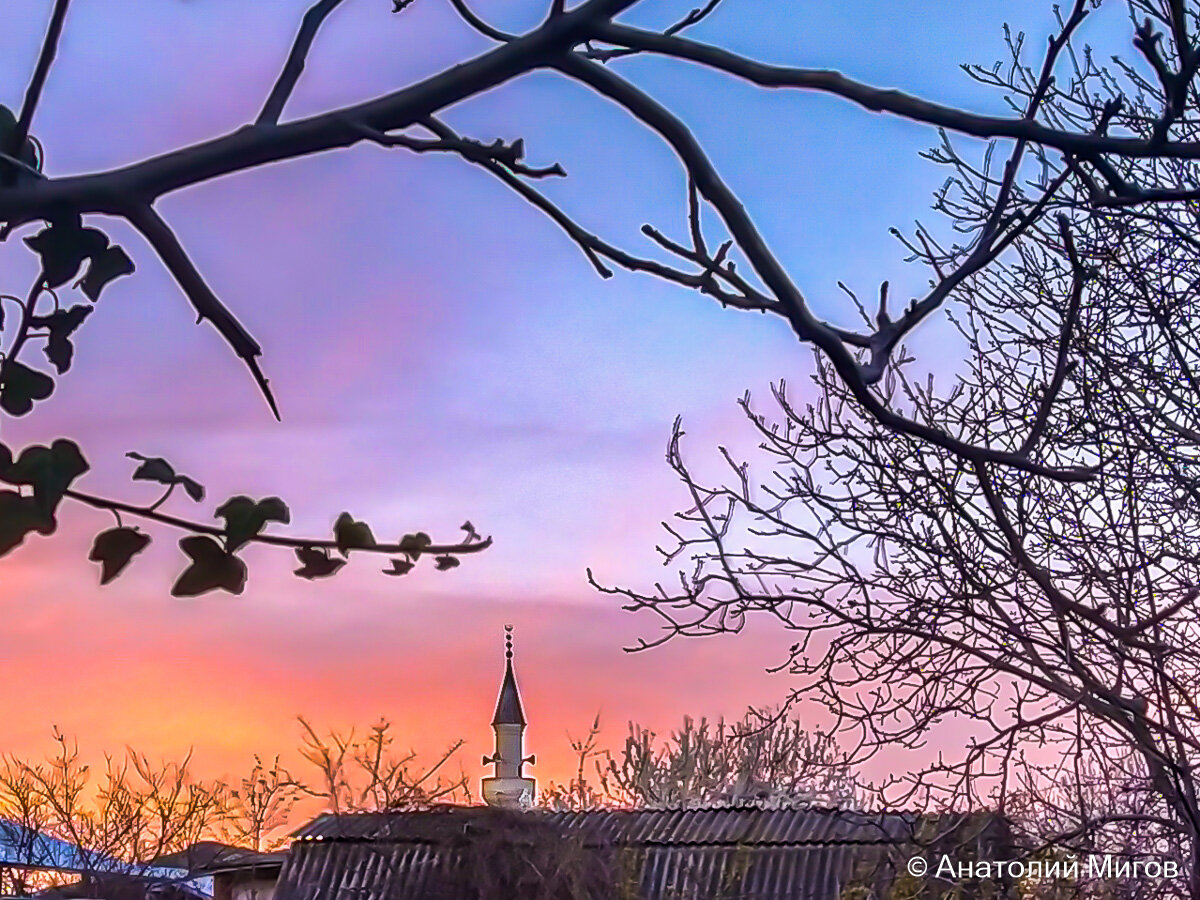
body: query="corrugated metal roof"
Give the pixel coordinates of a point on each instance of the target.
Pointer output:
(22, 847)
(397, 871)
(701, 825)
(733, 853)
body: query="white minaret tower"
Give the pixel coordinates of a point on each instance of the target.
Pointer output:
(508, 787)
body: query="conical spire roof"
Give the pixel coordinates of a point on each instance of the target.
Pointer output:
(508, 705)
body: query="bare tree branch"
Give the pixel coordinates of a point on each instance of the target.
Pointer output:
(207, 305)
(806, 326)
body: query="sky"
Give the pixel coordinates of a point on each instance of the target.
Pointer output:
(440, 352)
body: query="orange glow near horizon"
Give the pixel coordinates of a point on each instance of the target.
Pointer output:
(160, 694)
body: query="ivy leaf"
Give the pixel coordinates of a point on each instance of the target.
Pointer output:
(194, 489)
(413, 545)
(107, 265)
(155, 468)
(8, 123)
(316, 563)
(245, 518)
(114, 548)
(22, 386)
(351, 534)
(211, 568)
(442, 563)
(18, 516)
(62, 323)
(48, 470)
(63, 247)
(28, 153)
(399, 567)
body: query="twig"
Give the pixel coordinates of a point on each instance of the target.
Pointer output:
(294, 66)
(1079, 277)
(34, 92)
(507, 155)
(207, 305)
(479, 25)
(692, 18)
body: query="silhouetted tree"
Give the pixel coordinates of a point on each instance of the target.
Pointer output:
(763, 757)
(120, 820)
(61, 815)
(1052, 619)
(365, 774)
(258, 806)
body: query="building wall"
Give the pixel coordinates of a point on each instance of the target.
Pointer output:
(239, 886)
(257, 889)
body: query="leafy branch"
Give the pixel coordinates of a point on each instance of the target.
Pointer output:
(43, 478)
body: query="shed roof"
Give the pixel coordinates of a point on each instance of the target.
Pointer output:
(738, 852)
(727, 824)
(209, 857)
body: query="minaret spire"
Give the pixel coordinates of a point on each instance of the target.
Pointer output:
(508, 706)
(508, 787)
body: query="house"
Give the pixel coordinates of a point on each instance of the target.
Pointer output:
(120, 887)
(24, 849)
(236, 873)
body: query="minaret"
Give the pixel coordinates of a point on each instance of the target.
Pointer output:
(508, 787)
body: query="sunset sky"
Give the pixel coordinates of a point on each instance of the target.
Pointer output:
(440, 352)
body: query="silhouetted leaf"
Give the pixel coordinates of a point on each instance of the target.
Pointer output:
(28, 153)
(19, 516)
(63, 247)
(194, 489)
(48, 470)
(315, 563)
(155, 468)
(245, 518)
(111, 263)
(211, 568)
(61, 323)
(351, 534)
(399, 567)
(114, 548)
(414, 544)
(8, 124)
(22, 386)
(472, 534)
(442, 563)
